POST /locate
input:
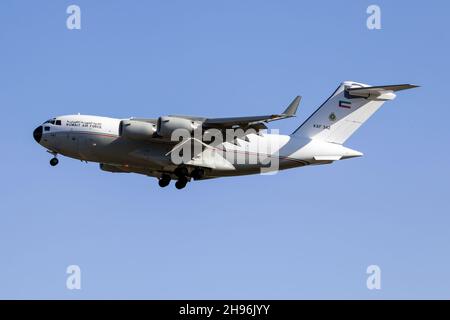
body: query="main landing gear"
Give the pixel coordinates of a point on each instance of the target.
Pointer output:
(197, 173)
(164, 180)
(181, 182)
(183, 177)
(181, 173)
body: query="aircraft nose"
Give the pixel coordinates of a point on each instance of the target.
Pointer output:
(37, 134)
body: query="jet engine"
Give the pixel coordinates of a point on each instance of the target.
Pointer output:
(167, 125)
(137, 130)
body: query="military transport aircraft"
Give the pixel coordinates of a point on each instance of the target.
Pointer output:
(156, 148)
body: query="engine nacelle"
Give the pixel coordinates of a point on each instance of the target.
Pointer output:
(137, 130)
(167, 125)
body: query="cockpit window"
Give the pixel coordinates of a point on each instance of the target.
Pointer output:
(58, 122)
(51, 121)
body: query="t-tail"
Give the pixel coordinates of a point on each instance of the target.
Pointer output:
(346, 110)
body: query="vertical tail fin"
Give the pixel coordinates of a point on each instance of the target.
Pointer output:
(346, 110)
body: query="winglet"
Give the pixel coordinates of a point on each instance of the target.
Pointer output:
(292, 108)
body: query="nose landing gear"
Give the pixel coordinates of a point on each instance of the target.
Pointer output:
(54, 161)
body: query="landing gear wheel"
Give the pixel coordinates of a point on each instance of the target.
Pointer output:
(164, 181)
(54, 162)
(197, 173)
(181, 183)
(181, 172)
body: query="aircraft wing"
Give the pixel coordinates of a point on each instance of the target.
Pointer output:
(254, 121)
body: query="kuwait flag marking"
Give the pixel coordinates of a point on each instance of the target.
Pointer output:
(345, 104)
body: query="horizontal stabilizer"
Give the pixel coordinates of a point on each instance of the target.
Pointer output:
(380, 92)
(327, 158)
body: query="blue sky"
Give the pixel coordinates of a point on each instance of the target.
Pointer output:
(303, 233)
